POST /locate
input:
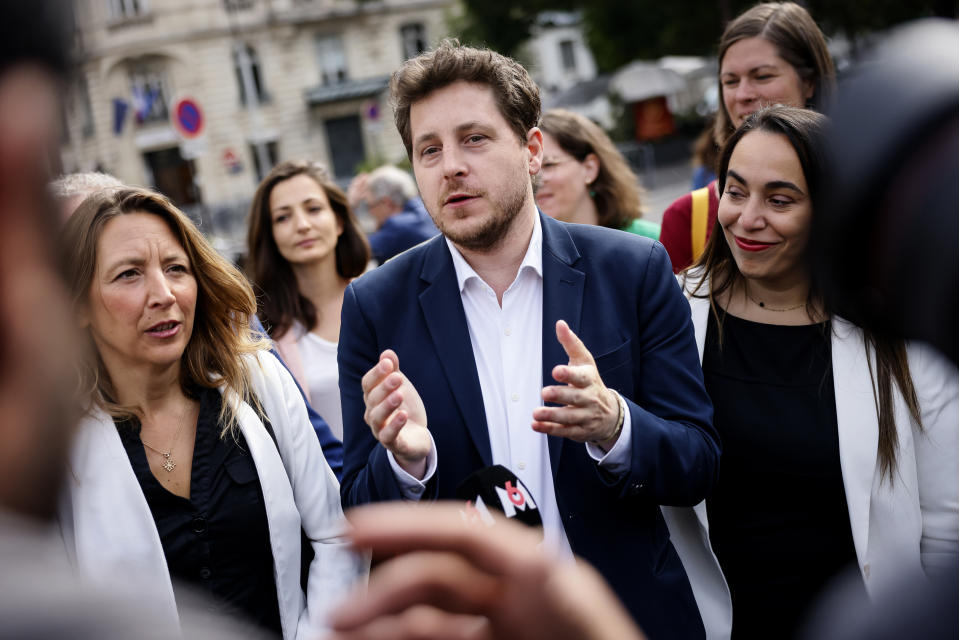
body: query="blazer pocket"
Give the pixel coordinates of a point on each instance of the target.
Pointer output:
(615, 370)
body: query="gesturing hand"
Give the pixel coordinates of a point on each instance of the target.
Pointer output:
(590, 411)
(455, 581)
(395, 413)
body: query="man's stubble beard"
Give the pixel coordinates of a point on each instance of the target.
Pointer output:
(494, 230)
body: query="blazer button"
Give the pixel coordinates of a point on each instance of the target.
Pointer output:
(205, 573)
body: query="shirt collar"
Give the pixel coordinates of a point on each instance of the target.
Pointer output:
(532, 260)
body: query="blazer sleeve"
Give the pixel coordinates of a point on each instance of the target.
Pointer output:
(674, 449)
(335, 568)
(367, 473)
(332, 447)
(936, 381)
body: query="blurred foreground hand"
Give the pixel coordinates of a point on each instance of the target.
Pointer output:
(454, 579)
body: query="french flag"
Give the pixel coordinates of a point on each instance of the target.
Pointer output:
(143, 99)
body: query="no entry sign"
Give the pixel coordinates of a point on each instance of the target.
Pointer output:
(187, 117)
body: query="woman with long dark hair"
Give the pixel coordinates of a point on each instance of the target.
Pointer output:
(304, 247)
(840, 446)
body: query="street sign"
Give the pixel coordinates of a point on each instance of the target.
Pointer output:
(231, 162)
(187, 118)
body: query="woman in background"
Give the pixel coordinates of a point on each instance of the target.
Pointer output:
(304, 247)
(772, 54)
(585, 179)
(196, 463)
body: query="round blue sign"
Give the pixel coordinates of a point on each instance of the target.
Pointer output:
(188, 118)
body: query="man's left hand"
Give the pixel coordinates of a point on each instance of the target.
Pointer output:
(590, 411)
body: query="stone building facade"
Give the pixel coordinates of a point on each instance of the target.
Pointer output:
(198, 98)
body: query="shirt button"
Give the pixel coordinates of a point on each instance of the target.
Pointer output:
(865, 570)
(205, 573)
(514, 398)
(199, 524)
(508, 331)
(521, 465)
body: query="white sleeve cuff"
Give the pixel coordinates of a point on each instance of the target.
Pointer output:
(617, 459)
(412, 488)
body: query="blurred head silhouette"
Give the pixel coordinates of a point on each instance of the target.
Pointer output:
(37, 411)
(887, 221)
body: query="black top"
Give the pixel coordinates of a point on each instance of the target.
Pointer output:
(219, 539)
(778, 520)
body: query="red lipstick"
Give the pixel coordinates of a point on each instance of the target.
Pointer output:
(752, 245)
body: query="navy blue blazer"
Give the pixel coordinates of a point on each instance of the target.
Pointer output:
(402, 230)
(618, 293)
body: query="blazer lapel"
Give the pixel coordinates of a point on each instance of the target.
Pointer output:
(858, 427)
(112, 526)
(446, 321)
(699, 309)
(281, 513)
(562, 300)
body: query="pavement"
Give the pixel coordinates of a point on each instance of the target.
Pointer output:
(662, 185)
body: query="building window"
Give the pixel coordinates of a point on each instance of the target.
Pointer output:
(86, 107)
(568, 55)
(122, 10)
(150, 96)
(238, 5)
(414, 40)
(332, 60)
(259, 170)
(246, 63)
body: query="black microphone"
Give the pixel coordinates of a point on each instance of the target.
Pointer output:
(498, 488)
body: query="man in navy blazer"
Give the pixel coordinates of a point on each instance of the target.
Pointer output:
(392, 200)
(445, 350)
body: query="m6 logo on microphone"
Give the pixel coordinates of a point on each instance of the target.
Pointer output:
(499, 489)
(514, 497)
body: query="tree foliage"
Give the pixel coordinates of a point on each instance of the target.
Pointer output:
(619, 32)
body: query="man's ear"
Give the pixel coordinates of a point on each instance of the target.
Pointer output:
(534, 146)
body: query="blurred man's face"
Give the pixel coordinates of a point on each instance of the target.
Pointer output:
(37, 345)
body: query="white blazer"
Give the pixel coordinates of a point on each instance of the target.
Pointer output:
(908, 526)
(109, 529)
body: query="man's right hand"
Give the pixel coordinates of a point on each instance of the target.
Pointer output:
(395, 413)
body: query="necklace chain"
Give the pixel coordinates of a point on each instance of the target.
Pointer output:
(168, 464)
(763, 305)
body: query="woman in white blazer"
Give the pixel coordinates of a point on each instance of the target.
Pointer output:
(196, 464)
(839, 446)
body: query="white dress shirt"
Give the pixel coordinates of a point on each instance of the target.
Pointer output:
(507, 346)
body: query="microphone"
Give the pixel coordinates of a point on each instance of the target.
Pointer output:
(498, 488)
